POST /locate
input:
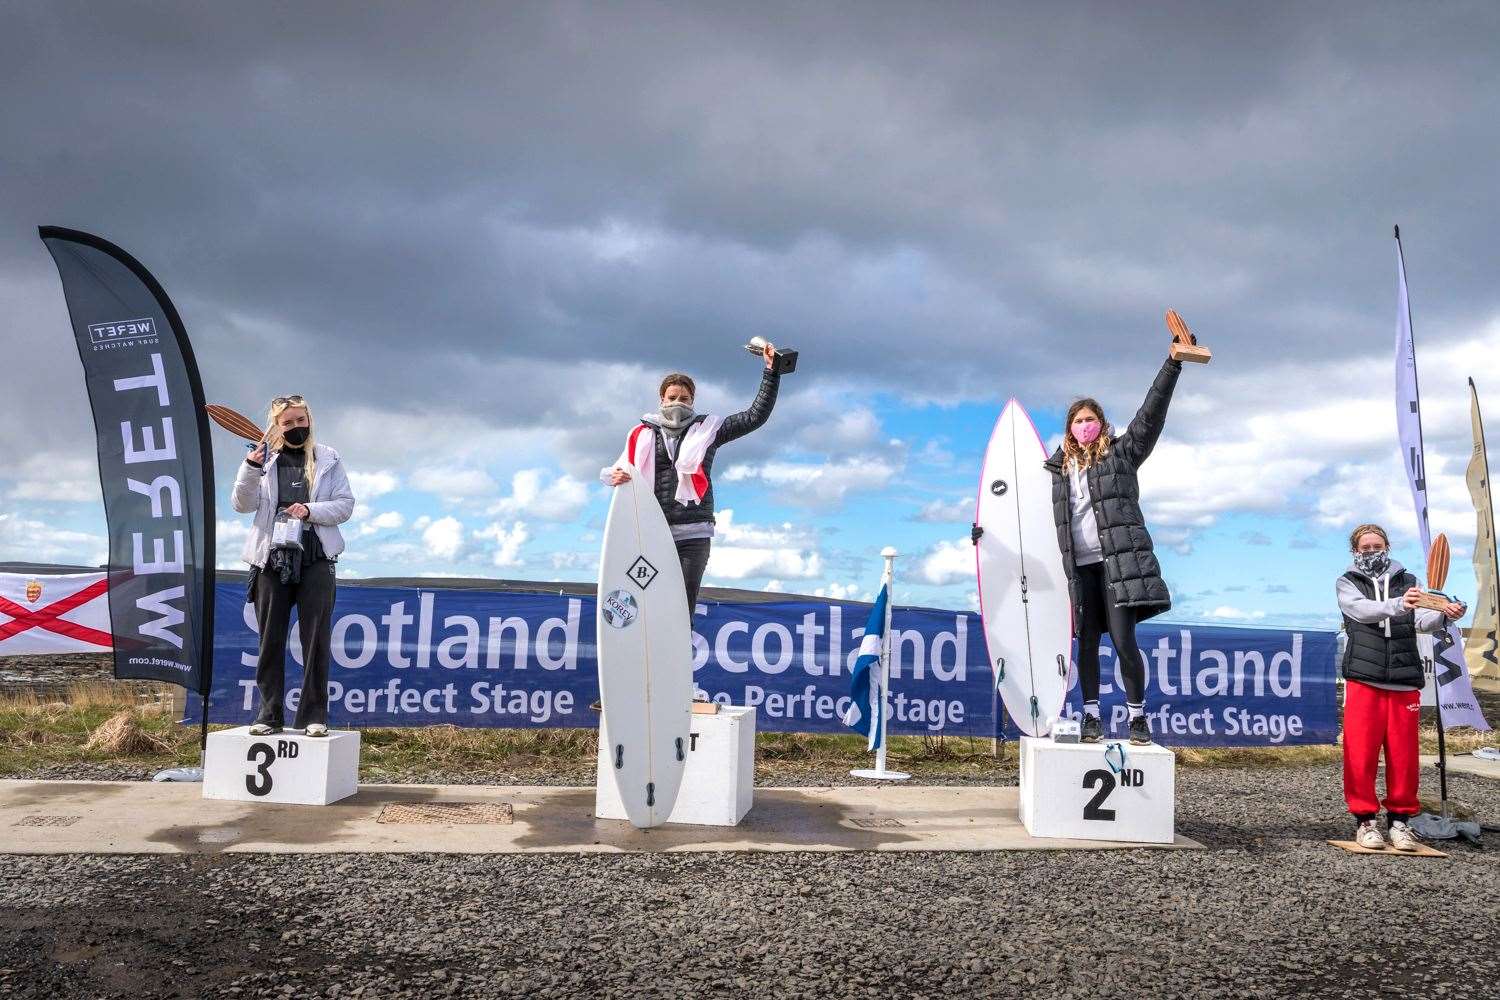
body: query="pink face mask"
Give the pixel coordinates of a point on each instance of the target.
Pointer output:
(1086, 434)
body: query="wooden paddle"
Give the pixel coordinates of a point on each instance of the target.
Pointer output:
(1185, 346)
(1437, 575)
(234, 422)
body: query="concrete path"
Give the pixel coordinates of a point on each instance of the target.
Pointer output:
(80, 817)
(1466, 763)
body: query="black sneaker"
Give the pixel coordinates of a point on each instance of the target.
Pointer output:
(1140, 732)
(1092, 730)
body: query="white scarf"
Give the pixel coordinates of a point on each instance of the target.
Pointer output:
(640, 452)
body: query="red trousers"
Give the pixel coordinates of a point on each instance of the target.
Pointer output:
(1374, 719)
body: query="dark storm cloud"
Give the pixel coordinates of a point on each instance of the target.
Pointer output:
(441, 208)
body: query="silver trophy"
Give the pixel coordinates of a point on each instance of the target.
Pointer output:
(785, 360)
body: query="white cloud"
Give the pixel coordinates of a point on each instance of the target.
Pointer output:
(959, 511)
(453, 484)
(1227, 612)
(948, 562)
(741, 551)
(508, 542)
(25, 540)
(574, 560)
(843, 592)
(50, 476)
(816, 484)
(444, 538)
(369, 485)
(730, 562)
(384, 521)
(850, 429)
(531, 495)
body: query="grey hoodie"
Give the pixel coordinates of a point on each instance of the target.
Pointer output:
(1386, 605)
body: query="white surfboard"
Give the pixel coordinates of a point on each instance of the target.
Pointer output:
(645, 653)
(1023, 591)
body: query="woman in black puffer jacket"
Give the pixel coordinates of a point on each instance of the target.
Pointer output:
(1113, 576)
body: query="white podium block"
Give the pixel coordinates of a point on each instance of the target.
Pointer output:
(1085, 791)
(287, 767)
(718, 778)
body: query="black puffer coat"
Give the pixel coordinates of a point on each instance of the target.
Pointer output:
(1130, 565)
(736, 425)
(1370, 655)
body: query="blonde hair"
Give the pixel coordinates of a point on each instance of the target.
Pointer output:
(1076, 453)
(275, 441)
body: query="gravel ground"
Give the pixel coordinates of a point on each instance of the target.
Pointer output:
(1268, 911)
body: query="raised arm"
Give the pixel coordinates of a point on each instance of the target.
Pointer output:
(737, 425)
(1140, 437)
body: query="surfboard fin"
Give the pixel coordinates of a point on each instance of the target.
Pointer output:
(650, 794)
(619, 756)
(1036, 709)
(680, 755)
(1062, 666)
(999, 669)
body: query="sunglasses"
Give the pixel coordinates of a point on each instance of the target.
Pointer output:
(288, 401)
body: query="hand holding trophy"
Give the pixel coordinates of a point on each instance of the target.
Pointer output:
(1184, 345)
(1433, 599)
(782, 362)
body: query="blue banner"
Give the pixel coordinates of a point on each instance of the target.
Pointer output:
(481, 658)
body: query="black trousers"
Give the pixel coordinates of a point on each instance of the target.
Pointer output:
(1100, 615)
(692, 553)
(312, 596)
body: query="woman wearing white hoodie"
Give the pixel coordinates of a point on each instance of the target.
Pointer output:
(299, 493)
(1383, 678)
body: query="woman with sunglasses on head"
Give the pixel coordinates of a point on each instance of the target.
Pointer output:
(299, 493)
(1114, 580)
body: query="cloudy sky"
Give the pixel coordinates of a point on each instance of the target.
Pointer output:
(475, 236)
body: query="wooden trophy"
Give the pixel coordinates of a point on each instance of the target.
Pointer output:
(1437, 575)
(234, 422)
(1185, 346)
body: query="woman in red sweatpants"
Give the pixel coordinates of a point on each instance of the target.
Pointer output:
(1382, 686)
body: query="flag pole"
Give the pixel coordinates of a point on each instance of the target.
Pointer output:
(1424, 530)
(887, 581)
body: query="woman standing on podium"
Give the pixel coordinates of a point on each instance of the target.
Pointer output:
(299, 493)
(1114, 580)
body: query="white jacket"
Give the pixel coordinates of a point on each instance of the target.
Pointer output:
(331, 505)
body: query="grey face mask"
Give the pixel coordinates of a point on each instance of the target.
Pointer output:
(1373, 564)
(675, 416)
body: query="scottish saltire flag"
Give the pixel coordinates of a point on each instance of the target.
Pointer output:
(864, 714)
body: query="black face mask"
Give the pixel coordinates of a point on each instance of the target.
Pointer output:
(297, 436)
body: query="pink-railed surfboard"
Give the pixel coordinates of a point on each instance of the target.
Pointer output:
(1023, 591)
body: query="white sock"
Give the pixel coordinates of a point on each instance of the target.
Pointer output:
(1136, 711)
(1091, 709)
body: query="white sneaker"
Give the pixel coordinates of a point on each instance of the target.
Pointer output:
(1403, 839)
(264, 729)
(1369, 836)
(316, 729)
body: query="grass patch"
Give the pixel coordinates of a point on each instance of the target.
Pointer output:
(134, 726)
(95, 723)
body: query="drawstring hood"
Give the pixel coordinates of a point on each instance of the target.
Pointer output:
(1380, 572)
